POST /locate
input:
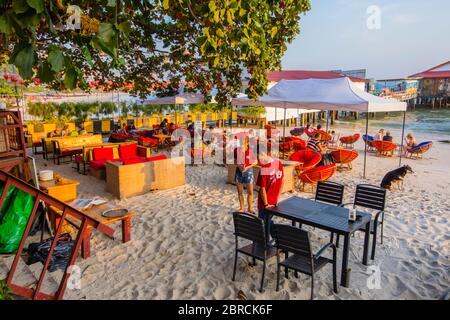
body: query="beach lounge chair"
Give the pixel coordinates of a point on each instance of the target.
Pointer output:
(315, 175)
(294, 240)
(251, 228)
(417, 151)
(344, 157)
(369, 141)
(297, 132)
(371, 197)
(310, 132)
(308, 157)
(349, 141)
(384, 148)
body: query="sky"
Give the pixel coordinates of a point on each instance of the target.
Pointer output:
(410, 36)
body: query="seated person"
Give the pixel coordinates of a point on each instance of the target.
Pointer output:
(379, 135)
(388, 137)
(123, 130)
(314, 143)
(319, 127)
(190, 126)
(65, 131)
(150, 133)
(411, 142)
(333, 136)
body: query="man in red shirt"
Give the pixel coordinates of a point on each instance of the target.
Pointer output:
(269, 182)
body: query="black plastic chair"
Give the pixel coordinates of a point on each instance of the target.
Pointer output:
(332, 193)
(250, 227)
(294, 240)
(371, 197)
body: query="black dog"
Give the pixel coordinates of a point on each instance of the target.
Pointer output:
(395, 176)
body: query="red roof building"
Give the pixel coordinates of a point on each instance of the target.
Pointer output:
(434, 82)
(440, 71)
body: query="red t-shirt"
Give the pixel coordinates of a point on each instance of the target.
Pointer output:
(270, 178)
(246, 158)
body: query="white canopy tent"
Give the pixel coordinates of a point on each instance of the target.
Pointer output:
(322, 94)
(325, 94)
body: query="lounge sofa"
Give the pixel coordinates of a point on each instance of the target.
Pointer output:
(132, 177)
(126, 153)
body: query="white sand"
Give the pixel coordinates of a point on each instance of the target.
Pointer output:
(182, 243)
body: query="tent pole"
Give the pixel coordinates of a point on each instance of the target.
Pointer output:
(403, 137)
(326, 137)
(365, 144)
(284, 130)
(275, 117)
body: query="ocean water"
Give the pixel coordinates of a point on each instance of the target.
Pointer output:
(423, 122)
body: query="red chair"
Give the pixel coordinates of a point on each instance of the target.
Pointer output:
(309, 158)
(317, 174)
(349, 141)
(344, 157)
(310, 132)
(324, 136)
(384, 148)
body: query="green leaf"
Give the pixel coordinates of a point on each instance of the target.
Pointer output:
(125, 27)
(45, 73)
(220, 33)
(166, 4)
(87, 55)
(5, 27)
(56, 59)
(274, 31)
(212, 5)
(37, 5)
(20, 6)
(106, 32)
(70, 78)
(24, 61)
(99, 44)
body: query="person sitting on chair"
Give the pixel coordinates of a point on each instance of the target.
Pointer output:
(314, 143)
(379, 135)
(388, 137)
(411, 142)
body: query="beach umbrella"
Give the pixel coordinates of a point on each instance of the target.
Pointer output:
(339, 94)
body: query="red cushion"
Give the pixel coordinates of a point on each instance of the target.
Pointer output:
(156, 158)
(134, 160)
(103, 153)
(97, 164)
(128, 151)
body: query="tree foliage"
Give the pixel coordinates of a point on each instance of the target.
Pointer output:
(154, 44)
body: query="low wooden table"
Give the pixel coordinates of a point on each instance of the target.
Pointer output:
(162, 139)
(95, 213)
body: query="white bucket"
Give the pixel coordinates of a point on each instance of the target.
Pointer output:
(46, 175)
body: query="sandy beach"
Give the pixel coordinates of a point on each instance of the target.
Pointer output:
(182, 243)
